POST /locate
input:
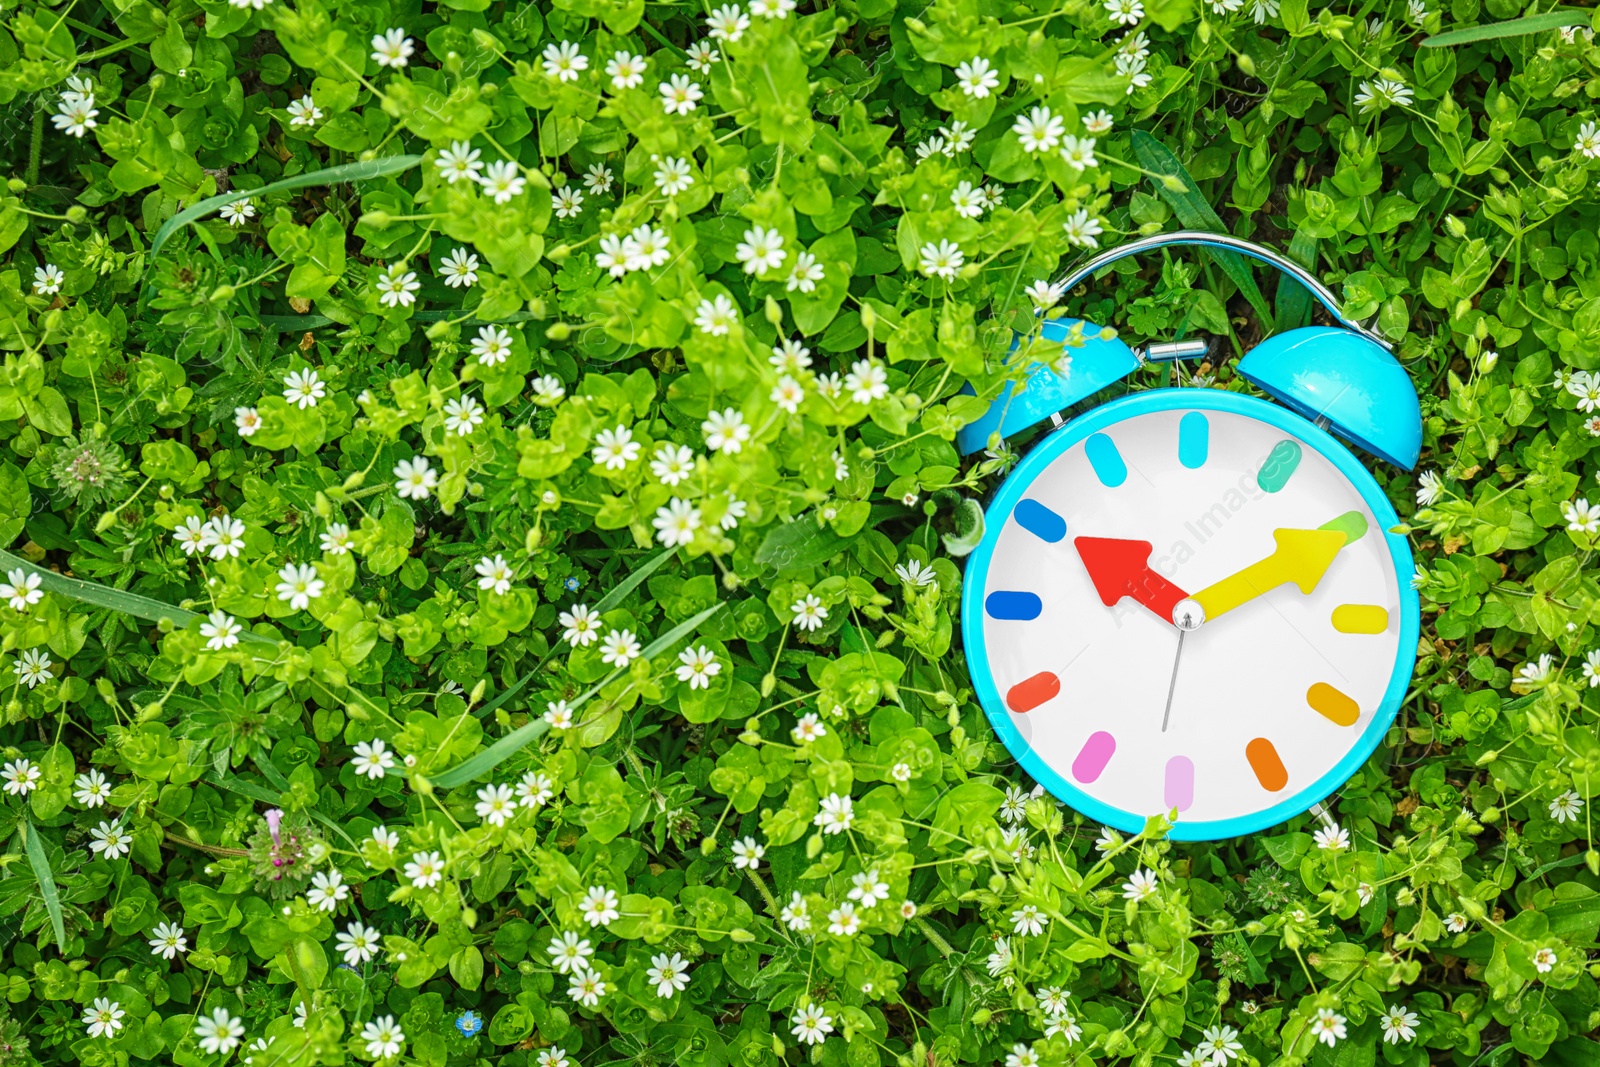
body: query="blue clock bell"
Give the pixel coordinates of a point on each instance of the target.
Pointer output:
(1188, 601)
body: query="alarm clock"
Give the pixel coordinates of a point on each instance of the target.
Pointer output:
(1189, 601)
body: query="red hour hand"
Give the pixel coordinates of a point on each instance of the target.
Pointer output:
(1121, 568)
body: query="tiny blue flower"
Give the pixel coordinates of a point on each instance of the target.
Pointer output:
(572, 583)
(469, 1023)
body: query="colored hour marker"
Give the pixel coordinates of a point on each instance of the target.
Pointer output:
(1031, 692)
(1333, 705)
(1094, 756)
(1279, 466)
(1360, 619)
(1352, 524)
(1106, 460)
(1005, 604)
(1267, 764)
(1040, 521)
(1180, 783)
(1194, 440)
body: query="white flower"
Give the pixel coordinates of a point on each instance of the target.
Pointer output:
(1222, 1044)
(625, 70)
(615, 449)
(811, 1025)
(679, 95)
(558, 715)
(647, 247)
(761, 250)
(772, 9)
(460, 269)
(547, 390)
(357, 943)
(1079, 151)
(1098, 122)
(727, 23)
(220, 631)
(1067, 1026)
(866, 888)
(790, 357)
(237, 212)
(698, 666)
(385, 838)
(246, 421)
(1332, 838)
(459, 162)
(675, 522)
(1028, 920)
(1039, 131)
(1328, 1026)
(808, 729)
(21, 777)
(168, 941)
(1397, 1024)
(1141, 885)
(933, 146)
(33, 668)
(669, 974)
(327, 890)
(701, 55)
(912, 572)
(1428, 488)
(1535, 672)
(502, 181)
(901, 772)
(1132, 67)
(22, 588)
(976, 78)
(747, 854)
(805, 274)
(299, 585)
(47, 279)
(1372, 96)
(462, 415)
(568, 202)
(788, 394)
(104, 1019)
(1581, 518)
(1588, 141)
(672, 464)
(496, 804)
(672, 176)
(620, 648)
(425, 870)
(415, 479)
(1364, 891)
(960, 138)
(867, 381)
(535, 790)
(190, 535)
(1124, 12)
(941, 260)
(794, 914)
(110, 840)
(1082, 229)
(224, 535)
(725, 430)
(75, 114)
(219, 1032)
(373, 759)
(1022, 1055)
(599, 906)
(384, 1037)
(1455, 922)
(1591, 667)
(303, 388)
(570, 952)
(91, 789)
(809, 614)
(392, 48)
(843, 921)
(494, 574)
(716, 317)
(969, 202)
(1014, 806)
(837, 814)
(1566, 807)
(563, 61)
(1544, 960)
(555, 1056)
(597, 179)
(581, 626)
(1000, 958)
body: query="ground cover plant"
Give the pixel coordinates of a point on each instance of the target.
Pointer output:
(482, 538)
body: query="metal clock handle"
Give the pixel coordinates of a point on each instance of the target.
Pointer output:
(1200, 238)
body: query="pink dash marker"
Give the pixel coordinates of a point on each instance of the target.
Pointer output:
(1180, 782)
(1094, 756)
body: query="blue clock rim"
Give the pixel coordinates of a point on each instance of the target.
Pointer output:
(1021, 480)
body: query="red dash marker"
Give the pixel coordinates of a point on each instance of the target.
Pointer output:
(1029, 694)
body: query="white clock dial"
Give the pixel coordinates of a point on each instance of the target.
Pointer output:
(1285, 590)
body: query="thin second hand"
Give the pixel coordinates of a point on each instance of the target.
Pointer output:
(1172, 686)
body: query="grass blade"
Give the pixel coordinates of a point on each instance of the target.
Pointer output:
(33, 844)
(1550, 20)
(1294, 299)
(348, 172)
(516, 740)
(1195, 214)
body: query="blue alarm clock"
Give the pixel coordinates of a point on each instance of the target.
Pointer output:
(1189, 600)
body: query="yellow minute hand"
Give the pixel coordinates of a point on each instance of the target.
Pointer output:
(1302, 557)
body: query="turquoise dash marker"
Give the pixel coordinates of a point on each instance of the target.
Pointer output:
(1040, 521)
(1005, 604)
(1194, 440)
(1106, 460)
(1279, 466)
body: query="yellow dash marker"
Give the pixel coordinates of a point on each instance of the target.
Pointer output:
(1333, 705)
(1360, 619)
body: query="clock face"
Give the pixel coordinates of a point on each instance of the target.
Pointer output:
(1187, 599)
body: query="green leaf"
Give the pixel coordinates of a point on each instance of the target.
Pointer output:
(1294, 299)
(348, 172)
(34, 845)
(1551, 20)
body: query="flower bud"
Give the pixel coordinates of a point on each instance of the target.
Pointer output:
(741, 936)
(77, 213)
(708, 845)
(16, 185)
(222, 294)
(108, 520)
(774, 312)
(559, 253)
(558, 331)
